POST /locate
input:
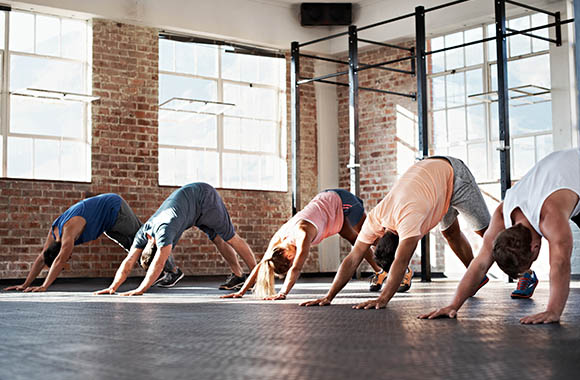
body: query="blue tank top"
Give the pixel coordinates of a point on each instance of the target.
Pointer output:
(100, 214)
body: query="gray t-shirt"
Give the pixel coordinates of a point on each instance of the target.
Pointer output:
(180, 211)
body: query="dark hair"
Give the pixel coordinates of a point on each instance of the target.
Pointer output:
(51, 252)
(279, 261)
(148, 254)
(385, 251)
(512, 250)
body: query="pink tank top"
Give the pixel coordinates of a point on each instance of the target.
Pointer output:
(324, 212)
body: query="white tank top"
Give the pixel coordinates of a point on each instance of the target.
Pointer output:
(557, 171)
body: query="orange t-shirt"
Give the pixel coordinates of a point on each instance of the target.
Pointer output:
(416, 204)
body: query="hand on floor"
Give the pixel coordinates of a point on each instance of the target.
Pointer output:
(35, 289)
(105, 291)
(545, 317)
(233, 295)
(16, 287)
(449, 312)
(319, 302)
(371, 304)
(132, 293)
(279, 296)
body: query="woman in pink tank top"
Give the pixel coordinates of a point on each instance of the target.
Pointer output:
(331, 212)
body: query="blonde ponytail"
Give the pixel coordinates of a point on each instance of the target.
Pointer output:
(265, 281)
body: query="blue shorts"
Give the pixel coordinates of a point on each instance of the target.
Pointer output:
(352, 206)
(215, 219)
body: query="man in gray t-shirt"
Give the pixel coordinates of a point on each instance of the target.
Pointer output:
(197, 204)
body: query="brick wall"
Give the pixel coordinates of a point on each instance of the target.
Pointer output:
(124, 161)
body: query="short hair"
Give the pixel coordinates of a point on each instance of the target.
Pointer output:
(385, 251)
(512, 250)
(51, 252)
(148, 254)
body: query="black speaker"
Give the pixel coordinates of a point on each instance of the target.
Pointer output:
(317, 14)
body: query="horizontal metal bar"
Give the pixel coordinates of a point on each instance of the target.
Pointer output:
(460, 46)
(530, 7)
(385, 44)
(412, 96)
(387, 21)
(364, 66)
(323, 59)
(322, 77)
(323, 39)
(533, 36)
(445, 5)
(539, 27)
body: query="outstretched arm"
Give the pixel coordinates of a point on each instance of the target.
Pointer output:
(153, 272)
(123, 271)
(403, 256)
(475, 272)
(344, 274)
(36, 267)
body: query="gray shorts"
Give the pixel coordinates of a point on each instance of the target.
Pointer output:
(215, 219)
(125, 227)
(466, 198)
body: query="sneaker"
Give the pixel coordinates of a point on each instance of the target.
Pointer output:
(526, 286)
(377, 280)
(483, 282)
(170, 279)
(160, 278)
(233, 282)
(406, 283)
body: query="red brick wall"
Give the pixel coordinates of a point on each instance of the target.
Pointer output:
(124, 161)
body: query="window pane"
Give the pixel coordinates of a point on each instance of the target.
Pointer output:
(252, 102)
(47, 35)
(533, 70)
(270, 71)
(184, 58)
(230, 64)
(454, 57)
(474, 83)
(46, 74)
(458, 151)
(249, 71)
(439, 128)
(74, 38)
(456, 124)
(495, 167)
(540, 19)
(166, 55)
(477, 157)
(474, 53)
(437, 59)
(73, 160)
(491, 48)
(476, 122)
(455, 90)
(438, 92)
(19, 159)
(203, 166)
(46, 159)
(544, 146)
(207, 60)
(190, 88)
(21, 32)
(519, 44)
(531, 118)
(523, 156)
(232, 133)
(2, 27)
(231, 171)
(46, 117)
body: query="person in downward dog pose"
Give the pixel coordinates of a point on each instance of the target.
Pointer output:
(433, 191)
(197, 204)
(539, 205)
(81, 223)
(331, 212)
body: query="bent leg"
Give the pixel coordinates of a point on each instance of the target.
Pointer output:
(350, 233)
(229, 255)
(458, 243)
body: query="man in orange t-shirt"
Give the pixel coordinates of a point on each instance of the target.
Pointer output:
(433, 191)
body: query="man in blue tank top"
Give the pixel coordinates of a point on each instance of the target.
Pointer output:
(197, 204)
(83, 222)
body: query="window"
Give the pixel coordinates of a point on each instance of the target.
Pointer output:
(464, 123)
(243, 144)
(46, 136)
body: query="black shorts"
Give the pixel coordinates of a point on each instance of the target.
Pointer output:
(352, 206)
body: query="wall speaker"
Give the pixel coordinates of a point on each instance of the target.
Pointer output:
(325, 14)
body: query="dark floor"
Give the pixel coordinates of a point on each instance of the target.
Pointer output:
(188, 333)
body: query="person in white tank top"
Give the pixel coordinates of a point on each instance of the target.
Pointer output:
(539, 205)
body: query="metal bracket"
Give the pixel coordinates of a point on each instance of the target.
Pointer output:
(502, 146)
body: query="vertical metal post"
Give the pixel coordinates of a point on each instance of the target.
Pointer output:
(295, 124)
(422, 118)
(503, 97)
(558, 29)
(353, 162)
(577, 54)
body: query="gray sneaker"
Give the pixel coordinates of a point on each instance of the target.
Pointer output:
(170, 279)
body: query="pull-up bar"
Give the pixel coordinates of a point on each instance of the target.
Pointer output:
(530, 7)
(411, 95)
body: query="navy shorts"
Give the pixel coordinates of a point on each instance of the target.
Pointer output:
(215, 219)
(352, 206)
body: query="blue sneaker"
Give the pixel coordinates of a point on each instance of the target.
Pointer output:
(526, 286)
(483, 282)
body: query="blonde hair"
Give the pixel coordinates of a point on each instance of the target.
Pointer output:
(272, 263)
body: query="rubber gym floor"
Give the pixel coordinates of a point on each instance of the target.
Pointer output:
(187, 332)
